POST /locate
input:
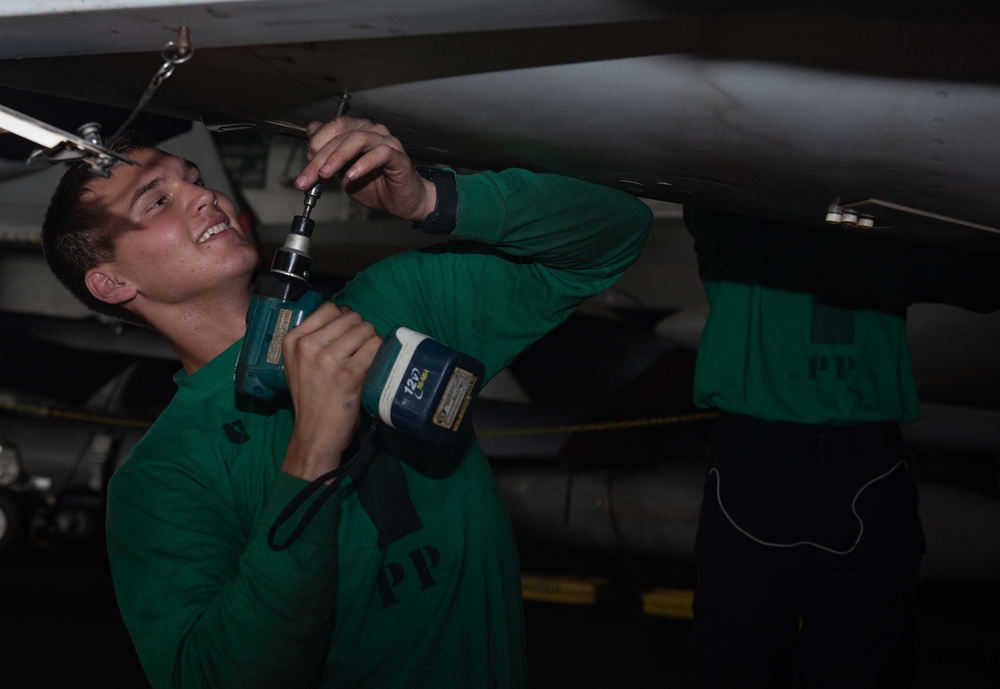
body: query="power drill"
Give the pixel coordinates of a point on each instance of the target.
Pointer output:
(415, 384)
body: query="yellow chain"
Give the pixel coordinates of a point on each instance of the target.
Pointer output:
(605, 426)
(52, 412)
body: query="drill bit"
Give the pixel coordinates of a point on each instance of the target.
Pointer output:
(312, 194)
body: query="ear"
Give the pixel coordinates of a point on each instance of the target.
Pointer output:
(104, 286)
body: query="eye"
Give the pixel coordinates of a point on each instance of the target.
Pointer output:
(158, 202)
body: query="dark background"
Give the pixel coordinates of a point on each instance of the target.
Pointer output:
(61, 628)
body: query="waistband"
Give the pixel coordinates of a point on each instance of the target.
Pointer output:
(820, 441)
(848, 429)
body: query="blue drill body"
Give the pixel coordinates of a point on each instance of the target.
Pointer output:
(415, 384)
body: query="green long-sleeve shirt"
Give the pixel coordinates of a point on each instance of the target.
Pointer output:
(408, 576)
(809, 324)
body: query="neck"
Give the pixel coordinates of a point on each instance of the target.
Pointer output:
(198, 334)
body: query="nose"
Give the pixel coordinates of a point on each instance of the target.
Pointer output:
(203, 198)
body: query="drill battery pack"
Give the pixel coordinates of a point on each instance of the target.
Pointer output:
(420, 386)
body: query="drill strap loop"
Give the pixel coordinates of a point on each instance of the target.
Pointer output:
(328, 483)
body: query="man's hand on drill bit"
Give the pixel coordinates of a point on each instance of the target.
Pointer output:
(371, 165)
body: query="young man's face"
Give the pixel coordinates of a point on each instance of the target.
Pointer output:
(175, 240)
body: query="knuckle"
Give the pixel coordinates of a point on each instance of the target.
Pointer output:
(350, 319)
(290, 349)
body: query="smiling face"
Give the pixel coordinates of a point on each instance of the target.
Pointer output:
(176, 242)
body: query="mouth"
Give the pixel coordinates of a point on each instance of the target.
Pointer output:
(214, 230)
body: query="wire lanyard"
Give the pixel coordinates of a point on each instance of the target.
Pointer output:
(174, 53)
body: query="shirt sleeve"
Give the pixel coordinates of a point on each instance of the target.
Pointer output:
(528, 249)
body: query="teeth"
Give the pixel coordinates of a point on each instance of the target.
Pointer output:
(214, 229)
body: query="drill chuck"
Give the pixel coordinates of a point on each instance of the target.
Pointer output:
(293, 258)
(288, 261)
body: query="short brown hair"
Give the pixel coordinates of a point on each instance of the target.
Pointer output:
(75, 236)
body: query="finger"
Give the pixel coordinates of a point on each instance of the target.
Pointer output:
(324, 313)
(336, 144)
(320, 132)
(329, 348)
(339, 150)
(362, 346)
(381, 157)
(352, 350)
(326, 160)
(342, 336)
(367, 351)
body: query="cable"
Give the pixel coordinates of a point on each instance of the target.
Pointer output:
(861, 523)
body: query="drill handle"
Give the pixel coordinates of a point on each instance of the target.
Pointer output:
(260, 370)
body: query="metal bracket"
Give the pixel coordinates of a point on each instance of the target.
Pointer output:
(62, 147)
(87, 145)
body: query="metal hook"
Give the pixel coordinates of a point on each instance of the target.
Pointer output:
(174, 53)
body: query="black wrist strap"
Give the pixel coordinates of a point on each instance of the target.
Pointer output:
(316, 484)
(444, 217)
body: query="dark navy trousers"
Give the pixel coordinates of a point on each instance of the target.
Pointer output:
(808, 556)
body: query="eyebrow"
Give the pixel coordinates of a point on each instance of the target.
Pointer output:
(154, 183)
